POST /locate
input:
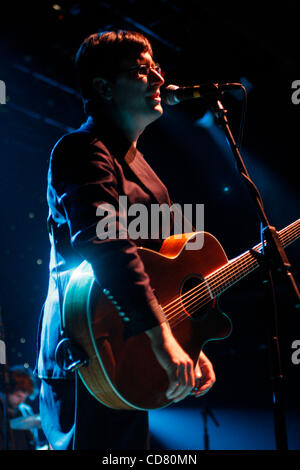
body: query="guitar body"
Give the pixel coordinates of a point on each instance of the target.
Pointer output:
(125, 374)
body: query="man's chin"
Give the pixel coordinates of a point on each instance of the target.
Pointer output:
(158, 110)
(156, 113)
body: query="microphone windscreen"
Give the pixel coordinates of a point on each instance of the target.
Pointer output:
(168, 94)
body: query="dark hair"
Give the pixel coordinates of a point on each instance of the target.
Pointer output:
(101, 54)
(21, 379)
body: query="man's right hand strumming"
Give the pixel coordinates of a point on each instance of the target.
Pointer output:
(174, 360)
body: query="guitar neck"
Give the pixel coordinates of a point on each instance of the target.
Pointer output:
(237, 268)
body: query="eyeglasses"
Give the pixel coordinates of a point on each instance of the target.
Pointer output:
(144, 70)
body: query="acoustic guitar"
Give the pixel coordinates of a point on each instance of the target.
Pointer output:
(125, 374)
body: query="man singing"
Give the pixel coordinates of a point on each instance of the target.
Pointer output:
(96, 164)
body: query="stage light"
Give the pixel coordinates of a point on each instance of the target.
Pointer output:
(206, 121)
(240, 429)
(166, 425)
(247, 84)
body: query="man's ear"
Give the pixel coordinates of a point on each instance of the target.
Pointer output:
(103, 88)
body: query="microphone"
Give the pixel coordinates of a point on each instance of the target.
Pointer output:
(173, 94)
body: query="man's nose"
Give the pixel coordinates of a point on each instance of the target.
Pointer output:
(156, 77)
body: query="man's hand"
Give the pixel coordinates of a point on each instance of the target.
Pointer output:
(205, 376)
(174, 360)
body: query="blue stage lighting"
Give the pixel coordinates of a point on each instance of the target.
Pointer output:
(239, 429)
(205, 121)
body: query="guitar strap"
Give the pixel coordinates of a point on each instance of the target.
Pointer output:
(68, 356)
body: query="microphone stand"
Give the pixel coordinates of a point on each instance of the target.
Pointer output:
(272, 258)
(205, 413)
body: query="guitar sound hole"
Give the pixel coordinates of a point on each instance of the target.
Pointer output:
(195, 297)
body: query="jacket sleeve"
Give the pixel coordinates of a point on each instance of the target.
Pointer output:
(83, 176)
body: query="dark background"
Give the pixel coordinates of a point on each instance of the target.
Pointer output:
(195, 44)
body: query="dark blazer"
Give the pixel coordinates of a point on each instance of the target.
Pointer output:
(90, 166)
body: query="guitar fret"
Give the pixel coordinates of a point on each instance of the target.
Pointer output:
(236, 269)
(224, 277)
(232, 273)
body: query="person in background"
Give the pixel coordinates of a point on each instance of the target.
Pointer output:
(20, 385)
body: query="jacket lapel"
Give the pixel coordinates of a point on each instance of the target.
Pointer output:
(135, 160)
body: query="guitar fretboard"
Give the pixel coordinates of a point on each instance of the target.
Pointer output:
(220, 280)
(239, 267)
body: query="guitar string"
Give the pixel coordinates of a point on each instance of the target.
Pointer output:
(224, 268)
(228, 268)
(207, 298)
(206, 285)
(229, 272)
(182, 314)
(236, 268)
(185, 309)
(180, 310)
